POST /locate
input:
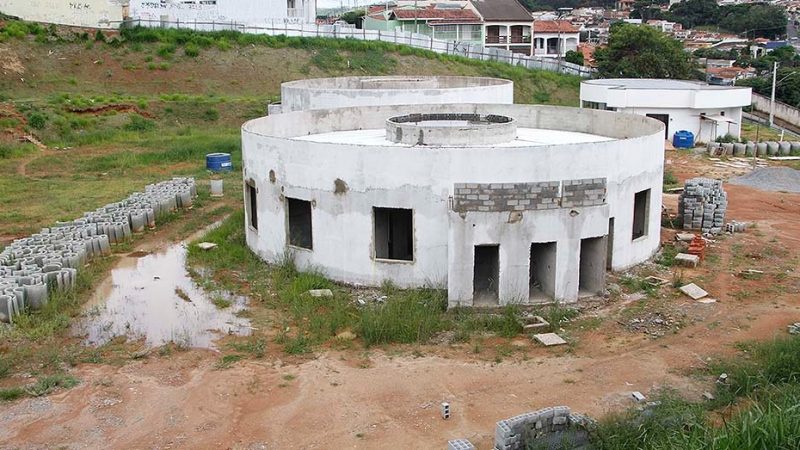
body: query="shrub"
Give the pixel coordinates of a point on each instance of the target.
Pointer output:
(37, 120)
(211, 115)
(99, 36)
(167, 50)
(191, 50)
(139, 123)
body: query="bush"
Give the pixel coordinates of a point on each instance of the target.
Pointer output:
(99, 36)
(211, 115)
(37, 120)
(191, 50)
(167, 50)
(139, 123)
(727, 139)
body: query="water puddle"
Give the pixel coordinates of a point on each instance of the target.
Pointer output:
(150, 296)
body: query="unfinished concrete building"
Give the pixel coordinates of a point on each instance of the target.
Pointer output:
(500, 203)
(326, 93)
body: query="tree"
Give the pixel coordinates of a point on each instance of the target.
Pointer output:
(353, 17)
(754, 19)
(574, 57)
(643, 52)
(692, 13)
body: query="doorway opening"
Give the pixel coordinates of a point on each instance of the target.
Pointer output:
(486, 275)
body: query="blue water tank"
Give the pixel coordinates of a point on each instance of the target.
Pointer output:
(219, 162)
(683, 139)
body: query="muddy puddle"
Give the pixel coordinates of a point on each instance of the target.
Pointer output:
(150, 296)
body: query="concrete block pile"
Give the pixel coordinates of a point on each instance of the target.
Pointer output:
(32, 268)
(702, 205)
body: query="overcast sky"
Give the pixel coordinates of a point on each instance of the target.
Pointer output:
(336, 3)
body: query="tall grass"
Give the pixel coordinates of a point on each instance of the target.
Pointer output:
(764, 385)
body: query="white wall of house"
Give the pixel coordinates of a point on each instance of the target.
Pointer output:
(250, 12)
(83, 13)
(505, 35)
(685, 103)
(546, 44)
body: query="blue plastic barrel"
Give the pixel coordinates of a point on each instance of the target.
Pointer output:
(219, 162)
(683, 139)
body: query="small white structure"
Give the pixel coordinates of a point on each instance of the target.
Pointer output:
(500, 203)
(705, 110)
(247, 12)
(83, 13)
(326, 93)
(552, 38)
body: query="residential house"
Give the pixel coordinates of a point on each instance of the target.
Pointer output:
(506, 24)
(553, 38)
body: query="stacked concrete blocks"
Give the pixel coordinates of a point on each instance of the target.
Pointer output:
(500, 197)
(702, 205)
(31, 268)
(547, 428)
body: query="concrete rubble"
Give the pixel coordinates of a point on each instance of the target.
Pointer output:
(549, 339)
(694, 291)
(702, 205)
(794, 328)
(685, 259)
(34, 267)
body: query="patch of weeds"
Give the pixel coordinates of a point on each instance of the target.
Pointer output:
(47, 384)
(288, 377)
(255, 346)
(227, 361)
(9, 394)
(407, 317)
(297, 345)
(667, 255)
(221, 302)
(139, 123)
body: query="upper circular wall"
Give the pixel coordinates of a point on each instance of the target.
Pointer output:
(327, 93)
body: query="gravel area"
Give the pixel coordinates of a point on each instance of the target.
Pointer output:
(771, 179)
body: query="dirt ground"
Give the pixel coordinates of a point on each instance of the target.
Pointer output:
(390, 397)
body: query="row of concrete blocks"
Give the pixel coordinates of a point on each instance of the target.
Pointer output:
(32, 268)
(771, 148)
(500, 197)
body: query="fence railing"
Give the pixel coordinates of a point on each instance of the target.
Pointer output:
(466, 49)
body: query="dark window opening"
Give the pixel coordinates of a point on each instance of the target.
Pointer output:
(542, 270)
(663, 118)
(394, 234)
(252, 204)
(299, 223)
(641, 213)
(486, 274)
(610, 238)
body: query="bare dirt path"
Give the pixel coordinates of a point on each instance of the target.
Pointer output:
(389, 397)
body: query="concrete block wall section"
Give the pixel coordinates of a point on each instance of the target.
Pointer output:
(460, 444)
(32, 267)
(499, 197)
(554, 427)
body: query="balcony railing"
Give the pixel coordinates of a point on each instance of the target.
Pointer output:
(508, 39)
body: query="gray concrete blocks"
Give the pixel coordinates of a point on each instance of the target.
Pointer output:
(702, 205)
(554, 428)
(33, 267)
(501, 197)
(460, 444)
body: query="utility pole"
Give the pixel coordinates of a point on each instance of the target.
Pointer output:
(416, 14)
(772, 101)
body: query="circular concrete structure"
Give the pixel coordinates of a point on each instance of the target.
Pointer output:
(324, 93)
(529, 219)
(450, 129)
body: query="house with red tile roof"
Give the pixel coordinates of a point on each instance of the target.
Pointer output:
(552, 38)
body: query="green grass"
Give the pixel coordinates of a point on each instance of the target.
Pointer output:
(763, 385)
(227, 361)
(407, 316)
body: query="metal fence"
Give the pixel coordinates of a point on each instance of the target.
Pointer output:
(465, 49)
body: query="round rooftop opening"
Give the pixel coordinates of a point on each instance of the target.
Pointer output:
(450, 129)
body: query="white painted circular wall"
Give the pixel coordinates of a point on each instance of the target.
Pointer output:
(571, 181)
(324, 93)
